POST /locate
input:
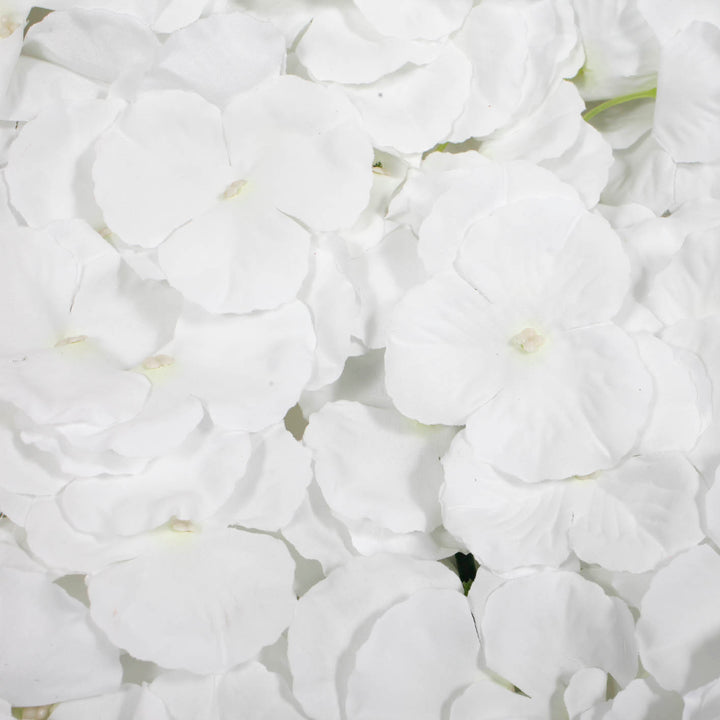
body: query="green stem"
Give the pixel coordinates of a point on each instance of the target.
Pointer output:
(590, 114)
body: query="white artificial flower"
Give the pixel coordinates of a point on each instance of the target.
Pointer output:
(222, 192)
(517, 343)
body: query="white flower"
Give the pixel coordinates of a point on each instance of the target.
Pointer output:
(518, 344)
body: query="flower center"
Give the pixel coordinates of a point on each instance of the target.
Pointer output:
(183, 526)
(527, 340)
(74, 340)
(233, 189)
(7, 26)
(158, 361)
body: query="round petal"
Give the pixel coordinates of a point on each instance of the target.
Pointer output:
(505, 524)
(133, 701)
(72, 383)
(274, 484)
(575, 406)
(679, 627)
(688, 95)
(551, 255)
(334, 307)
(239, 256)
(220, 56)
(248, 370)
(341, 46)
(414, 108)
(415, 18)
(190, 483)
(335, 614)
(95, 43)
(202, 602)
(419, 655)
(440, 334)
(39, 280)
(49, 650)
(373, 463)
(540, 629)
(47, 173)
(638, 514)
(250, 689)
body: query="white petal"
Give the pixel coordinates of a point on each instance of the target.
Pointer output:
(24, 471)
(643, 173)
(679, 628)
(333, 304)
(73, 383)
(317, 534)
(642, 699)
(638, 514)
(504, 524)
(274, 484)
(49, 650)
(341, 46)
(487, 699)
(413, 109)
(132, 701)
(419, 655)
(585, 164)
(333, 617)
(39, 279)
(567, 265)
(682, 408)
(415, 18)
(239, 256)
(202, 602)
(248, 370)
(688, 95)
(220, 56)
(586, 688)
(36, 85)
(190, 484)
(249, 689)
(621, 50)
(97, 44)
(374, 463)
(576, 406)
(381, 277)
(439, 336)
(304, 147)
(48, 173)
(163, 162)
(540, 629)
(703, 703)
